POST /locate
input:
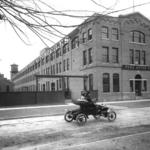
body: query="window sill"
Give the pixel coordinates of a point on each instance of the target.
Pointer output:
(137, 43)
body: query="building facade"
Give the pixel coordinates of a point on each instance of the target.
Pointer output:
(112, 51)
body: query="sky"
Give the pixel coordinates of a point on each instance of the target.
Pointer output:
(13, 50)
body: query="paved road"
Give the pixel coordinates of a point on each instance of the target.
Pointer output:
(36, 111)
(132, 126)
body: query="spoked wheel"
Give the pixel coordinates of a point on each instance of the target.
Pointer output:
(111, 116)
(81, 119)
(68, 116)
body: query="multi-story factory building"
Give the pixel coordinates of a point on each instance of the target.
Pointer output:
(112, 51)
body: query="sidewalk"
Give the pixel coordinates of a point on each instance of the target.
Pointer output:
(49, 110)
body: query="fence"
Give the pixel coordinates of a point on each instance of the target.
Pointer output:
(31, 98)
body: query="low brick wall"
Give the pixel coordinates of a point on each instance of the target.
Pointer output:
(31, 98)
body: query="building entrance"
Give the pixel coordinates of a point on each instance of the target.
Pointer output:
(138, 85)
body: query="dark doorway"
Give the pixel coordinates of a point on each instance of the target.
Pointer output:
(44, 87)
(138, 85)
(52, 86)
(7, 88)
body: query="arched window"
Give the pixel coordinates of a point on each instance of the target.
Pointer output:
(137, 36)
(106, 82)
(116, 87)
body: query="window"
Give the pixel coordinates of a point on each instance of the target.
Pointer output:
(84, 57)
(131, 86)
(54, 69)
(90, 55)
(60, 67)
(143, 56)
(67, 63)
(47, 58)
(115, 34)
(60, 83)
(83, 37)
(64, 65)
(42, 62)
(142, 37)
(137, 57)
(90, 34)
(105, 32)
(75, 42)
(137, 36)
(85, 84)
(116, 82)
(51, 70)
(105, 54)
(52, 56)
(106, 82)
(90, 82)
(58, 53)
(144, 85)
(57, 68)
(65, 48)
(47, 86)
(115, 56)
(131, 55)
(57, 81)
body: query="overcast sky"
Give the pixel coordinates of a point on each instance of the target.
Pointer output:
(13, 50)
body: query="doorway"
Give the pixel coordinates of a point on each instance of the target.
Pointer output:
(138, 85)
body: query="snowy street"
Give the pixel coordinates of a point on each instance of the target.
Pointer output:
(54, 133)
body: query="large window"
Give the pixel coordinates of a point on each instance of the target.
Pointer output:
(64, 65)
(115, 34)
(145, 85)
(105, 32)
(85, 81)
(90, 82)
(143, 58)
(60, 67)
(106, 82)
(67, 63)
(83, 37)
(105, 54)
(116, 87)
(137, 57)
(137, 36)
(84, 57)
(90, 55)
(131, 55)
(65, 48)
(58, 52)
(131, 86)
(75, 42)
(115, 56)
(90, 34)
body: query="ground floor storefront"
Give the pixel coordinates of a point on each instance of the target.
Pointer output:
(116, 84)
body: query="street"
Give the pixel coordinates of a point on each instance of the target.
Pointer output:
(131, 130)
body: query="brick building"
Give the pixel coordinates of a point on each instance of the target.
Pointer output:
(112, 51)
(5, 84)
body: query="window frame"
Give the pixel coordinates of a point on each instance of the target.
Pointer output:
(91, 83)
(106, 83)
(115, 34)
(90, 56)
(116, 82)
(90, 34)
(105, 32)
(85, 61)
(115, 56)
(105, 55)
